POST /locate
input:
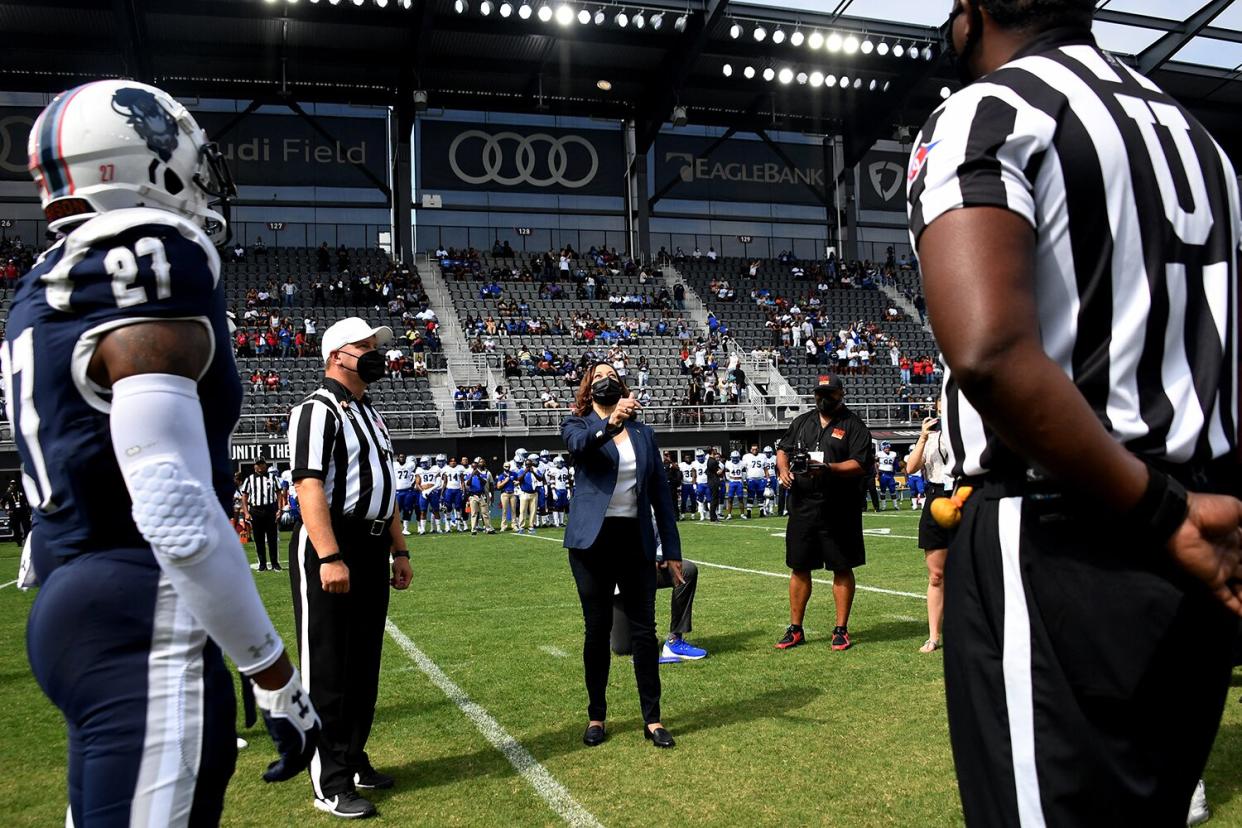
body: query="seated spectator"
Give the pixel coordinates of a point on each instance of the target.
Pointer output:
(711, 253)
(256, 381)
(260, 249)
(239, 252)
(271, 382)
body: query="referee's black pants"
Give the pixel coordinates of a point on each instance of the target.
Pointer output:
(1085, 675)
(266, 536)
(340, 637)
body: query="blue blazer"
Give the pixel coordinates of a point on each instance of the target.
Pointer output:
(595, 477)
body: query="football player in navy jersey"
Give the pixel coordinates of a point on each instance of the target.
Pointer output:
(122, 390)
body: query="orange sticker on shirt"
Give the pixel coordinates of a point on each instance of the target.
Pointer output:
(838, 433)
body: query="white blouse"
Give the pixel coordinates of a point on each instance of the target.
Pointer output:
(624, 501)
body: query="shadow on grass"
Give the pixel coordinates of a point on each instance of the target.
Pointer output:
(1223, 781)
(915, 631)
(487, 762)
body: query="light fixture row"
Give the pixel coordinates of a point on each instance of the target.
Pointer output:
(787, 75)
(383, 4)
(566, 13)
(835, 42)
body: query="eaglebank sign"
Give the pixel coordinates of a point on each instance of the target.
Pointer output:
(705, 169)
(739, 170)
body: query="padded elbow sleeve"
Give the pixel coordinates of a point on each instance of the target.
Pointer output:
(161, 447)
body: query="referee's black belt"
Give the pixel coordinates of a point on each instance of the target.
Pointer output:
(1223, 476)
(366, 526)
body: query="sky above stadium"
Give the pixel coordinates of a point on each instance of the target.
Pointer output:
(1129, 40)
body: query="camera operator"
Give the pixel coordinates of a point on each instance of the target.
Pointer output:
(823, 460)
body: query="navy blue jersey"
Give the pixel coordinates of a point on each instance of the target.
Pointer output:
(123, 266)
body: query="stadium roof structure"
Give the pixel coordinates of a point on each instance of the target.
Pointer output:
(785, 59)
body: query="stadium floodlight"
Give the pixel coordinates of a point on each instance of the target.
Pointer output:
(544, 13)
(564, 14)
(858, 83)
(407, 4)
(485, 7)
(769, 74)
(525, 11)
(600, 17)
(735, 31)
(845, 82)
(359, 2)
(749, 72)
(680, 23)
(850, 44)
(622, 19)
(584, 17)
(817, 79)
(928, 52)
(461, 6)
(381, 3)
(334, 2)
(802, 78)
(727, 70)
(887, 84)
(640, 19)
(506, 9)
(797, 38)
(778, 36)
(873, 85)
(914, 53)
(786, 76)
(867, 46)
(760, 33)
(270, 2)
(833, 42)
(815, 41)
(945, 92)
(899, 50)
(830, 81)
(657, 20)
(882, 49)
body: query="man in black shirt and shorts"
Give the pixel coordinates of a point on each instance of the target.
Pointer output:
(822, 460)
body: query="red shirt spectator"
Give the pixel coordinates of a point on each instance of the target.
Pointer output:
(272, 382)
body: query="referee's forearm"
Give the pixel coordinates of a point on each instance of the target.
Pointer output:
(316, 516)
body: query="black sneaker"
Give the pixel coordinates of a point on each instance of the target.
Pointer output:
(347, 805)
(371, 778)
(792, 638)
(276, 568)
(263, 569)
(840, 638)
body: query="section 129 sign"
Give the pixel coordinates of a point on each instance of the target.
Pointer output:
(508, 158)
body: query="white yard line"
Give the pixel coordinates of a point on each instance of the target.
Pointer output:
(556, 652)
(536, 775)
(9, 584)
(784, 575)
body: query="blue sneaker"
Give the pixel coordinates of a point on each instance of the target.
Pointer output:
(683, 649)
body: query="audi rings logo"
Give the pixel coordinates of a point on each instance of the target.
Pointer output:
(14, 130)
(527, 163)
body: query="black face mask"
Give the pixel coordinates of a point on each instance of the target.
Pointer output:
(827, 405)
(961, 60)
(370, 366)
(606, 391)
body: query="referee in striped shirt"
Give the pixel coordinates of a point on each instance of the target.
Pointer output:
(345, 482)
(260, 493)
(1078, 234)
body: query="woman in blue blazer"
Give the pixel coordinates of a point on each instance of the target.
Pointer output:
(619, 483)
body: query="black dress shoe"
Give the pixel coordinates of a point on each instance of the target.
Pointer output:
(594, 735)
(660, 737)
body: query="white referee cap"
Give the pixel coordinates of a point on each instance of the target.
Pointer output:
(349, 330)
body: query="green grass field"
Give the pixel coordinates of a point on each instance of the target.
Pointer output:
(809, 736)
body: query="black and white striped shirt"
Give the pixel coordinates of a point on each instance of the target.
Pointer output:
(343, 441)
(1135, 209)
(261, 489)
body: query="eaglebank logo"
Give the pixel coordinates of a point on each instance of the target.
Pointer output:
(694, 169)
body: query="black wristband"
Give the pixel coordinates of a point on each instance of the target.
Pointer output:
(1162, 508)
(333, 558)
(401, 553)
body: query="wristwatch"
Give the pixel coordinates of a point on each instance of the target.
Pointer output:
(401, 553)
(333, 558)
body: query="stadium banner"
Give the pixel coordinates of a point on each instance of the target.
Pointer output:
(520, 159)
(882, 181)
(266, 150)
(738, 170)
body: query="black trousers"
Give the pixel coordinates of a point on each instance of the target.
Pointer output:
(340, 637)
(682, 614)
(1085, 675)
(617, 560)
(266, 535)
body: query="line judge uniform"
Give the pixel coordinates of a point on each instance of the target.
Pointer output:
(342, 441)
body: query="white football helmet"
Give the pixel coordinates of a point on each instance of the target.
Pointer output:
(114, 144)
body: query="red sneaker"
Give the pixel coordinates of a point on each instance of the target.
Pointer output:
(792, 638)
(840, 638)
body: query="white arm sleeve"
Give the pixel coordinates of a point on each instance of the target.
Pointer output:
(161, 447)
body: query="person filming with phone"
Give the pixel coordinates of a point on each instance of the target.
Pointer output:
(932, 455)
(823, 460)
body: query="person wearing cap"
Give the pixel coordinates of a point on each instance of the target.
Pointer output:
(343, 473)
(479, 485)
(260, 500)
(825, 523)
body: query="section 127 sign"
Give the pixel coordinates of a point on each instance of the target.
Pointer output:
(508, 158)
